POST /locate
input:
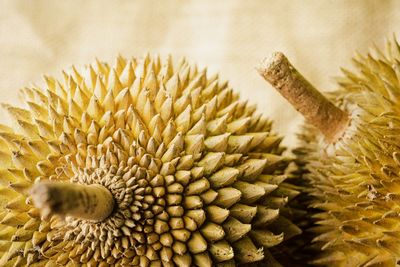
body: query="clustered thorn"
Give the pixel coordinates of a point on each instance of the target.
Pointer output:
(196, 176)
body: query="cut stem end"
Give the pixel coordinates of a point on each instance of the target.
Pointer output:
(316, 109)
(90, 202)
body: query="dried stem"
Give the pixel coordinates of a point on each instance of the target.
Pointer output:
(316, 109)
(90, 202)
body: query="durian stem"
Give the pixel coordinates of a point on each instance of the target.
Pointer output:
(90, 202)
(316, 109)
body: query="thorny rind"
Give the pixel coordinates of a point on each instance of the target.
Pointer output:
(355, 182)
(197, 176)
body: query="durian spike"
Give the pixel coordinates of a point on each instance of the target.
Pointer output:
(316, 109)
(90, 202)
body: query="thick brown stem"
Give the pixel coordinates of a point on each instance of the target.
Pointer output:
(91, 202)
(316, 109)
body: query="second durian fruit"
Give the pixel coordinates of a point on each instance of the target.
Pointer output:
(351, 151)
(145, 163)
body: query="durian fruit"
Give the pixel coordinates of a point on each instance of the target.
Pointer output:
(145, 163)
(351, 150)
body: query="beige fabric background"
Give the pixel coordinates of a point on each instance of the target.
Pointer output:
(228, 36)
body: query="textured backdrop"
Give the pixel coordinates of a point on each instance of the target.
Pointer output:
(229, 37)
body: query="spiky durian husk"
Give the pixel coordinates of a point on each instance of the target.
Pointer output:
(298, 252)
(355, 182)
(197, 177)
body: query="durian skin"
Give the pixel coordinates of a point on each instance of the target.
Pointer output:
(354, 183)
(197, 175)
